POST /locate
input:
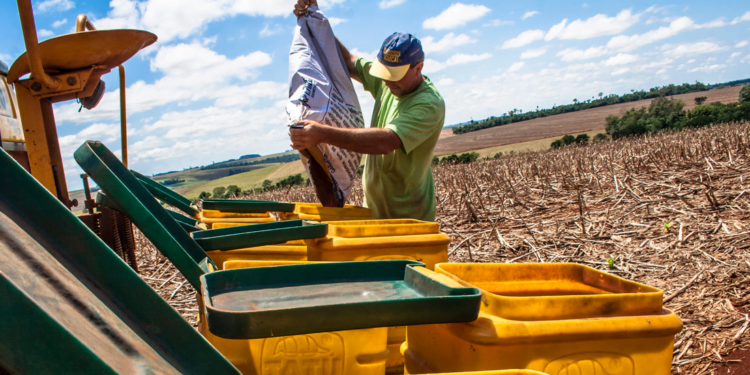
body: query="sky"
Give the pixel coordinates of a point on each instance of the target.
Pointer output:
(214, 85)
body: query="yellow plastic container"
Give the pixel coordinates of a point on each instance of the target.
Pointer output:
(233, 219)
(555, 318)
(292, 250)
(316, 211)
(379, 240)
(502, 372)
(356, 352)
(226, 215)
(381, 228)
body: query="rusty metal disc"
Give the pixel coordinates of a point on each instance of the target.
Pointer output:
(108, 48)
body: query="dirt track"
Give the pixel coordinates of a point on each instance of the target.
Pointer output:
(558, 125)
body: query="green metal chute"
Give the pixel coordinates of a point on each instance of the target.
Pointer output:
(159, 226)
(167, 195)
(70, 305)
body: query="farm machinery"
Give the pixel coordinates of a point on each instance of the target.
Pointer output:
(73, 301)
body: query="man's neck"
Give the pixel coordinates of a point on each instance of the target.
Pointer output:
(415, 86)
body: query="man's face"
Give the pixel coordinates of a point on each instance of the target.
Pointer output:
(405, 85)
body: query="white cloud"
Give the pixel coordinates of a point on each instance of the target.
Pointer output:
(733, 55)
(746, 58)
(456, 15)
(43, 33)
(185, 80)
(691, 61)
(707, 68)
(370, 56)
(336, 21)
(269, 30)
(572, 54)
(58, 5)
(679, 25)
(432, 66)
(385, 4)
(448, 42)
(496, 23)
(595, 26)
(181, 19)
(526, 37)
(620, 59)
(676, 51)
(620, 71)
(516, 67)
(742, 18)
(59, 23)
(532, 53)
(529, 14)
(655, 64)
(740, 44)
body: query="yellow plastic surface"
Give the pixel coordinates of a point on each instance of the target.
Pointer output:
(283, 252)
(316, 211)
(501, 372)
(383, 239)
(557, 318)
(356, 352)
(381, 228)
(429, 249)
(219, 214)
(210, 221)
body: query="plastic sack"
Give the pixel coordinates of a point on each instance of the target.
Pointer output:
(320, 89)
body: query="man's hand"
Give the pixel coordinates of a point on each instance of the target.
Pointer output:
(301, 7)
(311, 134)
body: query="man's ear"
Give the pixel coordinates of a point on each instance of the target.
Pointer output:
(419, 68)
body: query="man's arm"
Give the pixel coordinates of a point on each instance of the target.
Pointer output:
(350, 60)
(371, 141)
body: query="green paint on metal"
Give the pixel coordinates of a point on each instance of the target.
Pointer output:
(157, 224)
(166, 195)
(246, 206)
(187, 222)
(141, 207)
(70, 305)
(248, 303)
(259, 234)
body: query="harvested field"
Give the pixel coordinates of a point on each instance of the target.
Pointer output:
(559, 125)
(671, 211)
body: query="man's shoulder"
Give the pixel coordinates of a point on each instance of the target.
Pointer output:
(431, 96)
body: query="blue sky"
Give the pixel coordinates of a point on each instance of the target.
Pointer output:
(214, 86)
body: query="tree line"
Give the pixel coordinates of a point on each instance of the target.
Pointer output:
(516, 115)
(234, 191)
(239, 163)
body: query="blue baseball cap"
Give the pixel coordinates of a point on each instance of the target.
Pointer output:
(399, 51)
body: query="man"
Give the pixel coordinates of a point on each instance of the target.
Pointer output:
(407, 119)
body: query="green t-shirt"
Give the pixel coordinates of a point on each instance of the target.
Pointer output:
(400, 184)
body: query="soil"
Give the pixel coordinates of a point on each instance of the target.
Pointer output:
(735, 368)
(559, 125)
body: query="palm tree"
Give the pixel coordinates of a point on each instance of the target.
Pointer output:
(601, 94)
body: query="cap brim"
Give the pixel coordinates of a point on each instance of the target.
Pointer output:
(388, 73)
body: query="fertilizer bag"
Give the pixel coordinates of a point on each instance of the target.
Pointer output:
(320, 89)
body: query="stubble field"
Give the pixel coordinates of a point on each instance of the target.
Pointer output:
(559, 125)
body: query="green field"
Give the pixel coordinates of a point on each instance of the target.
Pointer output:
(245, 181)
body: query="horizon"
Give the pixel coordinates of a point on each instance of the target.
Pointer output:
(214, 86)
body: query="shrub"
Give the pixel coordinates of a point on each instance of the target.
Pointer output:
(290, 181)
(582, 139)
(468, 157)
(557, 144)
(601, 137)
(700, 100)
(435, 160)
(204, 195)
(267, 184)
(745, 94)
(219, 191)
(452, 159)
(498, 155)
(232, 191)
(568, 139)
